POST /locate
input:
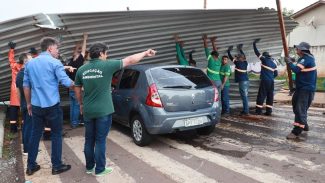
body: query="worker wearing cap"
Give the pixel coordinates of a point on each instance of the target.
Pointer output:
(266, 88)
(306, 76)
(241, 76)
(214, 62)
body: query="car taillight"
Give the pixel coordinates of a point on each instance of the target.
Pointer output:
(216, 93)
(153, 98)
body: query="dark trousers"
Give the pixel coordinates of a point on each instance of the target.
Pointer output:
(225, 99)
(301, 101)
(53, 115)
(26, 129)
(266, 90)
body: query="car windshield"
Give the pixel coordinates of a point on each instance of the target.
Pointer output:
(184, 78)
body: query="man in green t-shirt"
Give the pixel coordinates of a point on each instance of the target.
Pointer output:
(214, 62)
(96, 104)
(225, 73)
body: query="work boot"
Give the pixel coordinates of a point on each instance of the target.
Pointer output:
(306, 128)
(292, 136)
(267, 114)
(61, 169)
(13, 128)
(46, 135)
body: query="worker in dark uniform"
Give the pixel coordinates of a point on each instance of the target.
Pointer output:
(306, 76)
(241, 76)
(266, 88)
(180, 51)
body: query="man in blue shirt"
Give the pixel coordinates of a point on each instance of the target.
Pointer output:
(42, 76)
(306, 75)
(241, 76)
(266, 88)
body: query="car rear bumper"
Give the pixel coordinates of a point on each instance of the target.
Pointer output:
(161, 122)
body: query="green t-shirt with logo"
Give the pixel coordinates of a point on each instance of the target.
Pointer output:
(213, 70)
(225, 71)
(96, 77)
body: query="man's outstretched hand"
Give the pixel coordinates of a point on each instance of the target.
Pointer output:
(150, 53)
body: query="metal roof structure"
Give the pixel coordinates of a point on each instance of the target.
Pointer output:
(129, 32)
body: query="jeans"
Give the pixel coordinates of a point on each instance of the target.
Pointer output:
(74, 109)
(26, 129)
(301, 101)
(53, 115)
(225, 99)
(96, 131)
(243, 90)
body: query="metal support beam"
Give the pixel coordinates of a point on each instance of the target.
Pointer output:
(284, 40)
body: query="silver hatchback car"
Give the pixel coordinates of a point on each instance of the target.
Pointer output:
(164, 99)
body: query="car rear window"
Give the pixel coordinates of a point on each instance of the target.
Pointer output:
(187, 78)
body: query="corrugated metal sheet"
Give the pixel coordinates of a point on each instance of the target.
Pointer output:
(133, 31)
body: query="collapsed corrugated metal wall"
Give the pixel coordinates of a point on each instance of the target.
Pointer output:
(129, 32)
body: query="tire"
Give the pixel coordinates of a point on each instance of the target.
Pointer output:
(139, 133)
(207, 130)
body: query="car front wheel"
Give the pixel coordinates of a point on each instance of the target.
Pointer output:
(139, 133)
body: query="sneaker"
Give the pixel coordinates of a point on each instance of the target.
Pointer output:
(90, 171)
(292, 136)
(107, 170)
(244, 113)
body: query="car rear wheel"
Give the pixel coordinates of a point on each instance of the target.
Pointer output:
(139, 133)
(207, 130)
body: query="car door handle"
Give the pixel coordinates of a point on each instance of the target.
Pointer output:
(128, 98)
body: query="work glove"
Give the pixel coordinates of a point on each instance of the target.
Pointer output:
(240, 46)
(12, 45)
(289, 60)
(230, 48)
(257, 40)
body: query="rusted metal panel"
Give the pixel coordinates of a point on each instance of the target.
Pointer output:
(129, 32)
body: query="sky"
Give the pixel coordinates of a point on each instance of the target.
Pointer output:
(11, 9)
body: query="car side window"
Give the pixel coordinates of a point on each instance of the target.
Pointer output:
(129, 79)
(115, 79)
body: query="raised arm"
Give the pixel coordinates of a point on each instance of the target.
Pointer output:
(84, 44)
(205, 44)
(133, 59)
(240, 48)
(11, 54)
(257, 53)
(213, 42)
(229, 54)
